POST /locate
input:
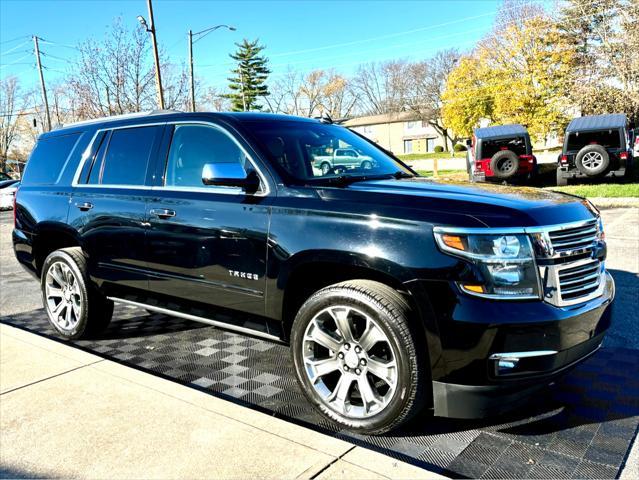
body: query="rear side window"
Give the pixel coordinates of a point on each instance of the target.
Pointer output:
(48, 159)
(605, 138)
(491, 147)
(126, 158)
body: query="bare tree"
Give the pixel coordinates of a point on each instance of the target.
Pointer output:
(9, 114)
(427, 82)
(382, 87)
(116, 75)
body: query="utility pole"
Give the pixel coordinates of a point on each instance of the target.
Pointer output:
(44, 90)
(158, 76)
(191, 70)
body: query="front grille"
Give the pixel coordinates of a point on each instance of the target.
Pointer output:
(575, 238)
(579, 281)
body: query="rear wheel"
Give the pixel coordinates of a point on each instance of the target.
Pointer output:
(504, 164)
(592, 160)
(74, 306)
(367, 165)
(356, 358)
(326, 168)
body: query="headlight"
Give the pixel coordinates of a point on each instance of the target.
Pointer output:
(505, 261)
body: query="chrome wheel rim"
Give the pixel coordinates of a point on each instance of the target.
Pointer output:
(350, 362)
(63, 297)
(592, 160)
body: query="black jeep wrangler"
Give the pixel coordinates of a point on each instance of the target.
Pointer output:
(502, 152)
(595, 147)
(395, 292)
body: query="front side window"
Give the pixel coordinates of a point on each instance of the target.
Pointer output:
(311, 151)
(123, 158)
(194, 146)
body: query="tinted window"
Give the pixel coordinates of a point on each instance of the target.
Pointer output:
(95, 166)
(127, 156)
(606, 138)
(192, 147)
(491, 147)
(48, 158)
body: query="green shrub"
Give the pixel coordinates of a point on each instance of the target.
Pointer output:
(439, 149)
(459, 147)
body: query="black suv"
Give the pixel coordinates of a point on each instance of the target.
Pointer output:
(595, 147)
(395, 292)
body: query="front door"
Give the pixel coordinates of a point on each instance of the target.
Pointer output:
(108, 207)
(206, 244)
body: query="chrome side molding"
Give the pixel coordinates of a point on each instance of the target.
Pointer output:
(194, 318)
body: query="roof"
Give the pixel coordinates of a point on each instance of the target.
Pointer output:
(382, 118)
(598, 122)
(499, 131)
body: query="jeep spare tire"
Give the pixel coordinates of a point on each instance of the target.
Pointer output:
(592, 160)
(504, 164)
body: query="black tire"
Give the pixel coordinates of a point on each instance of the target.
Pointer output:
(325, 168)
(561, 180)
(504, 164)
(96, 311)
(392, 314)
(592, 155)
(367, 165)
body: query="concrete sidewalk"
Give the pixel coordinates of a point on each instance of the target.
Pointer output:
(67, 413)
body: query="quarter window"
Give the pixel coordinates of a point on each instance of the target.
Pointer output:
(192, 147)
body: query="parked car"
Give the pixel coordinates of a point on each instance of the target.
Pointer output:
(595, 147)
(8, 190)
(395, 292)
(342, 159)
(502, 152)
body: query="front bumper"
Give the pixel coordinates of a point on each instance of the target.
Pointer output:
(468, 334)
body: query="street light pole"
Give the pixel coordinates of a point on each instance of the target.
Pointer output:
(151, 29)
(204, 33)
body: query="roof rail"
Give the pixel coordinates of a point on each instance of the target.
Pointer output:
(114, 118)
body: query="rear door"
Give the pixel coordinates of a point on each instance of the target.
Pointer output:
(206, 244)
(108, 206)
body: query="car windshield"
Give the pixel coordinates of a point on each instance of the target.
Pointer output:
(308, 151)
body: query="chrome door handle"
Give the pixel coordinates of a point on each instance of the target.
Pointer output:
(84, 206)
(162, 212)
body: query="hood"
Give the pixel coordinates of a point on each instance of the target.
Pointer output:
(490, 205)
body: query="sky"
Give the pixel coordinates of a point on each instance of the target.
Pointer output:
(302, 35)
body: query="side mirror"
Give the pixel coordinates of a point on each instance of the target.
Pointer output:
(230, 175)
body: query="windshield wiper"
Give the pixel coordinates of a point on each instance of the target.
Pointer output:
(345, 180)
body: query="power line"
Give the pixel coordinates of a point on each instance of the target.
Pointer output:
(16, 47)
(14, 39)
(16, 62)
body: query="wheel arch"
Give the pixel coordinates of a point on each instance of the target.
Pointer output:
(51, 236)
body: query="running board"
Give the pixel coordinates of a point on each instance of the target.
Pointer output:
(194, 318)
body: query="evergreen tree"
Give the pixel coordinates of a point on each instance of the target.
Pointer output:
(248, 81)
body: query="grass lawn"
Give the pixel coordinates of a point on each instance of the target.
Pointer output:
(425, 156)
(457, 175)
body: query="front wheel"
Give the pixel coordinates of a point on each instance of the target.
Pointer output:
(356, 358)
(74, 307)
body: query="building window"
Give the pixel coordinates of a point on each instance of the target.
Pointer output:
(408, 146)
(412, 125)
(430, 144)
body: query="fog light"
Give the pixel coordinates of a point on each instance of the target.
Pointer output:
(504, 365)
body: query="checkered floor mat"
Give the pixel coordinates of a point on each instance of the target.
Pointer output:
(584, 429)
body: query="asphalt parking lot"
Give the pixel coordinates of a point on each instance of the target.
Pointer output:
(583, 429)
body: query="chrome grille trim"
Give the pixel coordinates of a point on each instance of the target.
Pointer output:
(569, 240)
(574, 282)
